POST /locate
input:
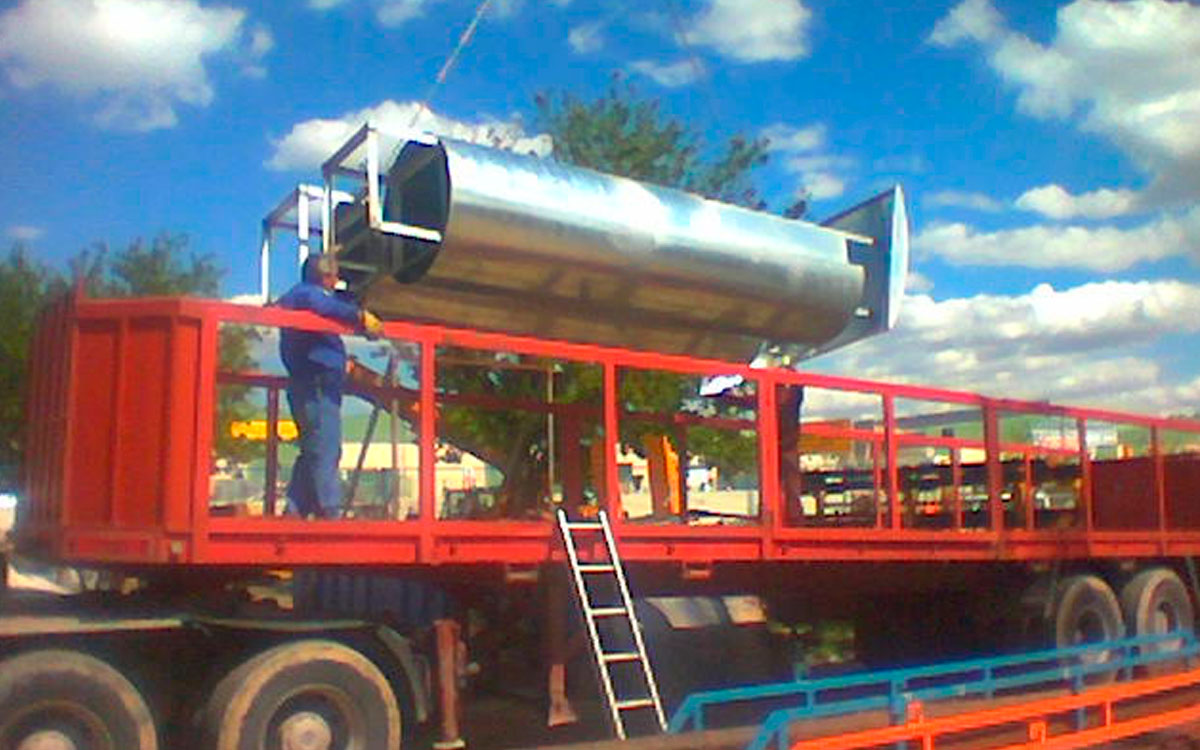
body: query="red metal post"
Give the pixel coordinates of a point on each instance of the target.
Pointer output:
(272, 470)
(995, 472)
(1160, 479)
(1027, 490)
(569, 459)
(1086, 498)
(772, 501)
(892, 475)
(956, 487)
(877, 453)
(206, 362)
(611, 439)
(428, 432)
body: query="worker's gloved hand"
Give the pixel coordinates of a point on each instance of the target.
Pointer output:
(372, 324)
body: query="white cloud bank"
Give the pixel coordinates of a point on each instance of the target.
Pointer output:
(1102, 249)
(309, 143)
(752, 31)
(1083, 345)
(140, 59)
(1125, 71)
(1054, 202)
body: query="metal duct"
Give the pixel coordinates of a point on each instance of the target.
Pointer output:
(531, 246)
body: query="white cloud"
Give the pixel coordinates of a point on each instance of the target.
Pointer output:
(1053, 201)
(1126, 71)
(586, 38)
(822, 185)
(787, 138)
(310, 142)
(398, 12)
(1103, 249)
(394, 13)
(964, 199)
(671, 75)
(750, 31)
(820, 173)
(1082, 345)
(971, 20)
(139, 59)
(24, 232)
(917, 283)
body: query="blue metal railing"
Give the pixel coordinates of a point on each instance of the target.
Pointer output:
(893, 689)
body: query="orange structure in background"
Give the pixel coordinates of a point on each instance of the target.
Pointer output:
(662, 469)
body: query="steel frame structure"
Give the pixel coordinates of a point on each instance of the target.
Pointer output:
(124, 392)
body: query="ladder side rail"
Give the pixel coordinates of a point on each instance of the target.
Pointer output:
(634, 623)
(593, 632)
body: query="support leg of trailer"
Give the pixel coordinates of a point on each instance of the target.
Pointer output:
(449, 655)
(560, 710)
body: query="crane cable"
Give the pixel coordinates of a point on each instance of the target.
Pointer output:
(463, 40)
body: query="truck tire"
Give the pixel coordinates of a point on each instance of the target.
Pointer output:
(311, 694)
(1155, 602)
(1086, 611)
(68, 699)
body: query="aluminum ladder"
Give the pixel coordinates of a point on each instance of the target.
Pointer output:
(584, 574)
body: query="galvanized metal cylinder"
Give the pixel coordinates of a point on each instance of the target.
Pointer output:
(532, 246)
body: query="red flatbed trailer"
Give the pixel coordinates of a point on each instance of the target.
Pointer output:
(120, 471)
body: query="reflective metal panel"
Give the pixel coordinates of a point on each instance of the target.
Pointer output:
(532, 246)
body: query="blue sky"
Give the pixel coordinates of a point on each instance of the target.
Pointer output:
(1051, 151)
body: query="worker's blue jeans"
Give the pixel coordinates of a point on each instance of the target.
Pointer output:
(316, 404)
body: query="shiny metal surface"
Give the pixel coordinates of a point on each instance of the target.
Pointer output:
(531, 246)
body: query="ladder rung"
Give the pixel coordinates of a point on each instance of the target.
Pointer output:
(635, 703)
(609, 611)
(598, 568)
(620, 656)
(584, 525)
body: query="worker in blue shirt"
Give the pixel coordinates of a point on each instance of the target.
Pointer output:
(316, 364)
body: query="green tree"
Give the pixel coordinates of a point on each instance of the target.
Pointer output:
(25, 288)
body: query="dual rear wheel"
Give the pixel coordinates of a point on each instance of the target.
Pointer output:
(311, 694)
(304, 695)
(1086, 610)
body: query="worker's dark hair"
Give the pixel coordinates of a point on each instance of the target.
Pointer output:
(319, 264)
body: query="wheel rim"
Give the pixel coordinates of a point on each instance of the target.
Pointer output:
(305, 731)
(1165, 619)
(44, 739)
(1090, 628)
(56, 726)
(317, 717)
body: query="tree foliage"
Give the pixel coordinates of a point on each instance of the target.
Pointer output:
(25, 287)
(623, 134)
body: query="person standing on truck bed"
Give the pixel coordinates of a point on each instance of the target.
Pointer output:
(316, 365)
